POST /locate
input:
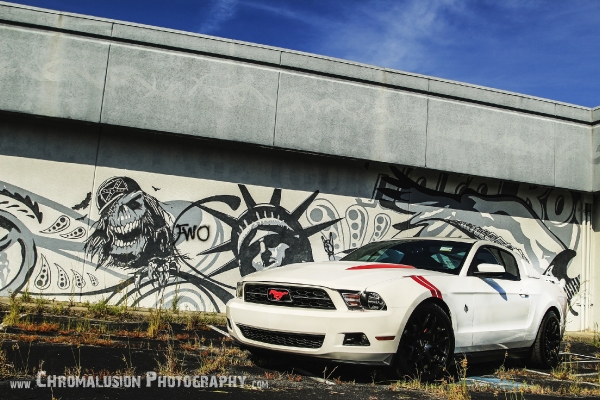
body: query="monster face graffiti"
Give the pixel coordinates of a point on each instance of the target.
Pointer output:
(133, 231)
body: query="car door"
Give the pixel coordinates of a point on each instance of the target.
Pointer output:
(501, 305)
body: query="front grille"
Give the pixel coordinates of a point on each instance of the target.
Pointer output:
(304, 297)
(304, 340)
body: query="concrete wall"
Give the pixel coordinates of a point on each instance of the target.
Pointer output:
(121, 74)
(144, 219)
(143, 165)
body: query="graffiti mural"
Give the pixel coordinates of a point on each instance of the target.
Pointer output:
(145, 239)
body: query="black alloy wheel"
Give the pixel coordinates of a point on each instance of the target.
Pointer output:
(545, 349)
(426, 345)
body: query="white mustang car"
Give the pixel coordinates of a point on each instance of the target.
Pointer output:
(409, 303)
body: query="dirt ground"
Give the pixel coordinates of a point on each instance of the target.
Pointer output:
(94, 341)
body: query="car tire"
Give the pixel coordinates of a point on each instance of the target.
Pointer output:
(426, 345)
(545, 349)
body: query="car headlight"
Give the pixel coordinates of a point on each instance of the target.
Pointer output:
(352, 300)
(372, 301)
(239, 290)
(363, 301)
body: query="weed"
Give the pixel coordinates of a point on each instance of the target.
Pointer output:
(271, 375)
(460, 391)
(14, 309)
(7, 369)
(565, 370)
(596, 338)
(26, 295)
(44, 327)
(332, 371)
(175, 301)
(501, 372)
(40, 304)
(154, 321)
(77, 369)
(172, 365)
(102, 309)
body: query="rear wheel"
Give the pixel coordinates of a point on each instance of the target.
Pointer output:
(544, 352)
(426, 345)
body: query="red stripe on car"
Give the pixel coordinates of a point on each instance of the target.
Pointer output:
(435, 292)
(379, 266)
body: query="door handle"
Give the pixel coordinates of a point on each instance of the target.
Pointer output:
(523, 294)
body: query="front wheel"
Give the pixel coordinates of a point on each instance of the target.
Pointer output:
(545, 349)
(426, 345)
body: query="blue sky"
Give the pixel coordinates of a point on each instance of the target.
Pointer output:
(545, 48)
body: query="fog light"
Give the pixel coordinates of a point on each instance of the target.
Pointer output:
(356, 339)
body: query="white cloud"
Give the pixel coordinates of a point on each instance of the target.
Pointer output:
(221, 11)
(390, 34)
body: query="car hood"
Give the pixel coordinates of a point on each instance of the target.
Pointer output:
(354, 275)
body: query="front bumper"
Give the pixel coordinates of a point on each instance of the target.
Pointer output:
(334, 324)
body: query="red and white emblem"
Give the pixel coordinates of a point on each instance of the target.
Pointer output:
(282, 295)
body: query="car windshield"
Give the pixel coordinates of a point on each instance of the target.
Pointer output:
(435, 255)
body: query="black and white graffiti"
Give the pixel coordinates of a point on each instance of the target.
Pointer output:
(133, 232)
(535, 223)
(126, 245)
(266, 235)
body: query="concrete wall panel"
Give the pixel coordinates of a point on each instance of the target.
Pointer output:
(199, 96)
(505, 145)
(238, 164)
(351, 120)
(573, 157)
(51, 74)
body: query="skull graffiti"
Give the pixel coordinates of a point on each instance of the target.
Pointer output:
(125, 218)
(132, 232)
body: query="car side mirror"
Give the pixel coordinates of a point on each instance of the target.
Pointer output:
(489, 270)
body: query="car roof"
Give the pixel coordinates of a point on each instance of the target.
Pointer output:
(447, 239)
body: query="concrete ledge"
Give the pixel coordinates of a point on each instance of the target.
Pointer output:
(196, 43)
(54, 19)
(595, 158)
(186, 41)
(90, 69)
(596, 115)
(573, 112)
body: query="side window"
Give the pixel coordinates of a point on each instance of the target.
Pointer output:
(491, 255)
(512, 270)
(483, 256)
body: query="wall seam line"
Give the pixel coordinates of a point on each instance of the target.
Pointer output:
(276, 101)
(105, 76)
(92, 202)
(426, 125)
